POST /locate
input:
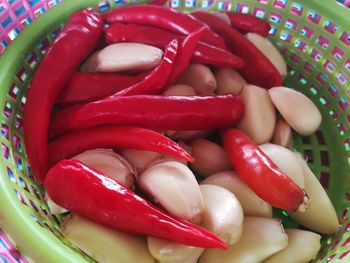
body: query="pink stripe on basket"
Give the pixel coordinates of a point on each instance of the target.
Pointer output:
(8, 252)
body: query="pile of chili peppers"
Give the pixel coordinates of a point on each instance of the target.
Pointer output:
(110, 110)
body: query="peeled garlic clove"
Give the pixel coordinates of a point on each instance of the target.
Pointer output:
(223, 213)
(175, 187)
(282, 134)
(261, 238)
(90, 64)
(166, 251)
(110, 163)
(180, 90)
(105, 244)
(259, 117)
(270, 51)
(229, 81)
(252, 204)
(55, 209)
(133, 57)
(297, 109)
(209, 157)
(320, 216)
(285, 160)
(200, 78)
(302, 247)
(140, 159)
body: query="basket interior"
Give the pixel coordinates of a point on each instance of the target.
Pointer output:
(316, 47)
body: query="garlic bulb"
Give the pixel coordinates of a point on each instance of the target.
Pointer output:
(321, 215)
(297, 109)
(166, 251)
(302, 247)
(259, 117)
(269, 50)
(229, 81)
(105, 244)
(282, 134)
(140, 158)
(174, 186)
(209, 157)
(223, 213)
(200, 78)
(285, 160)
(111, 164)
(261, 238)
(252, 204)
(180, 90)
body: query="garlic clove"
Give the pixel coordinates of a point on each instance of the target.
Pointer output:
(302, 247)
(140, 158)
(285, 160)
(166, 251)
(180, 90)
(223, 213)
(90, 63)
(133, 57)
(55, 209)
(270, 51)
(184, 146)
(229, 81)
(282, 134)
(200, 78)
(189, 135)
(259, 117)
(105, 244)
(110, 163)
(209, 157)
(320, 216)
(297, 109)
(261, 238)
(174, 186)
(252, 204)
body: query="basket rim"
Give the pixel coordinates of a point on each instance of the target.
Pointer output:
(47, 247)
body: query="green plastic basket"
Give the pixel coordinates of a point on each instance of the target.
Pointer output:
(314, 37)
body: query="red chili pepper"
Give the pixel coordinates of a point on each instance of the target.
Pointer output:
(246, 23)
(88, 86)
(75, 42)
(257, 70)
(112, 136)
(100, 198)
(162, 17)
(257, 170)
(203, 54)
(152, 112)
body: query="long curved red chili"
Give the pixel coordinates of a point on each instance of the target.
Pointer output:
(100, 198)
(75, 42)
(90, 86)
(152, 112)
(258, 171)
(203, 54)
(113, 136)
(246, 23)
(162, 17)
(257, 70)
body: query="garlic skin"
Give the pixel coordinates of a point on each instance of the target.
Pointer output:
(261, 238)
(297, 109)
(302, 247)
(223, 214)
(174, 186)
(110, 163)
(200, 78)
(209, 157)
(180, 90)
(286, 160)
(229, 81)
(140, 159)
(134, 57)
(166, 251)
(320, 216)
(105, 244)
(259, 117)
(252, 205)
(282, 134)
(90, 63)
(270, 51)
